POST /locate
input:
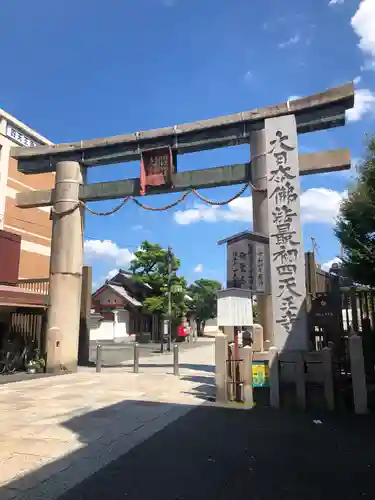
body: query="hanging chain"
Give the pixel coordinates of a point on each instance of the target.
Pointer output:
(221, 203)
(152, 209)
(109, 212)
(162, 209)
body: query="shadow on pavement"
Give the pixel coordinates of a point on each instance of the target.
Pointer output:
(211, 453)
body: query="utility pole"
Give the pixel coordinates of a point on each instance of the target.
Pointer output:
(169, 260)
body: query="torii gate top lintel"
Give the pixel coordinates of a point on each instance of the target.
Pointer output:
(316, 112)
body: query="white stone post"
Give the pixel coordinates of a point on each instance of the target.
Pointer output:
(287, 260)
(274, 377)
(115, 325)
(329, 391)
(257, 336)
(221, 356)
(65, 270)
(357, 368)
(246, 353)
(258, 148)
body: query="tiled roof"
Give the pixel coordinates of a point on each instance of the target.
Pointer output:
(121, 291)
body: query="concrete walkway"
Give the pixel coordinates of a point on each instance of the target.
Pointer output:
(57, 431)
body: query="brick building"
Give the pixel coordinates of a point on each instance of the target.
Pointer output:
(33, 225)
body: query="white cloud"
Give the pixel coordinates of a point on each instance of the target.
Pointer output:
(198, 268)
(291, 41)
(321, 205)
(293, 97)
(239, 209)
(335, 2)
(107, 250)
(327, 265)
(317, 205)
(112, 273)
(364, 104)
(363, 23)
(357, 80)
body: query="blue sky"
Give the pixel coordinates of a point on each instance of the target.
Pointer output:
(95, 68)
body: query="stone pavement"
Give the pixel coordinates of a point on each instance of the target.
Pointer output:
(262, 454)
(57, 431)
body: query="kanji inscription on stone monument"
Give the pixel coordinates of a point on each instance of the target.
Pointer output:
(286, 247)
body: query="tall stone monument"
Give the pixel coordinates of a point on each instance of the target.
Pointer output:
(287, 265)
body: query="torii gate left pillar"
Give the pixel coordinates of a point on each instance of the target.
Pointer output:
(65, 269)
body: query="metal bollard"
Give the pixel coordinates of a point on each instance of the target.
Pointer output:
(176, 368)
(98, 358)
(136, 358)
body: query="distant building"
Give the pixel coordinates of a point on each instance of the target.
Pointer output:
(117, 310)
(33, 225)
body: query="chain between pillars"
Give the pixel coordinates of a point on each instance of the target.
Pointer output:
(148, 208)
(171, 205)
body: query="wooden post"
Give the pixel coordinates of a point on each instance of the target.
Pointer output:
(274, 377)
(357, 368)
(246, 353)
(221, 353)
(329, 392)
(84, 327)
(65, 268)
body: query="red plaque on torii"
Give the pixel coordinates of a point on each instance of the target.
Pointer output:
(157, 167)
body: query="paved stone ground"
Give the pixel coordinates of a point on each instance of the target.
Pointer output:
(117, 435)
(261, 454)
(57, 431)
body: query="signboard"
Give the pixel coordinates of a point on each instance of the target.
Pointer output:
(260, 371)
(248, 262)
(326, 311)
(16, 135)
(234, 307)
(157, 167)
(260, 267)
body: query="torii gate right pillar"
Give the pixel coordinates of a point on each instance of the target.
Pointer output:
(260, 222)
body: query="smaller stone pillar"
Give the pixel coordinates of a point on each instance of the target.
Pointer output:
(246, 353)
(274, 377)
(256, 331)
(329, 392)
(357, 368)
(221, 356)
(300, 381)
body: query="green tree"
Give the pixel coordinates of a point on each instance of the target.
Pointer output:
(204, 304)
(150, 267)
(356, 225)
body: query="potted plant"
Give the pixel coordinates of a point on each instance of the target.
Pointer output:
(36, 365)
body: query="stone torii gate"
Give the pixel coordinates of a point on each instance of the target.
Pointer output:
(273, 173)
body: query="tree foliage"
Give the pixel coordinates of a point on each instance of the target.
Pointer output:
(356, 225)
(150, 267)
(204, 295)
